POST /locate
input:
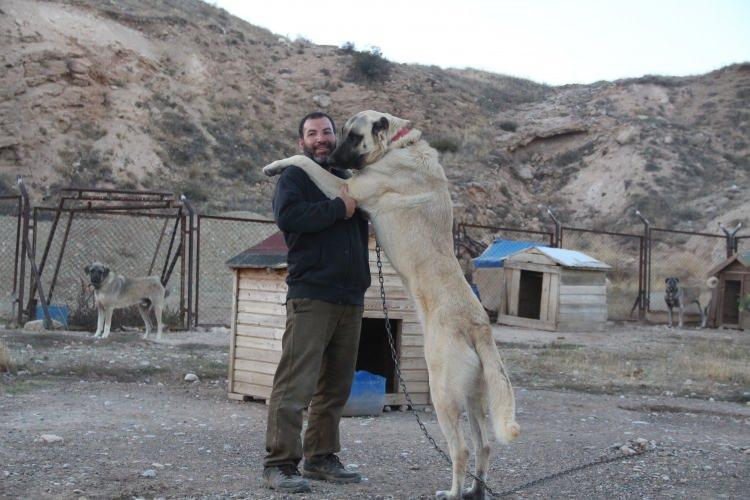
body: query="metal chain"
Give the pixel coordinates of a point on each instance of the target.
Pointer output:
(599, 461)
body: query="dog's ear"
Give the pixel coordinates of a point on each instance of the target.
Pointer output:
(666, 280)
(106, 272)
(87, 269)
(677, 280)
(380, 125)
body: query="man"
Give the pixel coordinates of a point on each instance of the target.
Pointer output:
(328, 274)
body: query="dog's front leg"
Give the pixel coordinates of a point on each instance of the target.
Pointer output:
(107, 321)
(322, 178)
(99, 321)
(669, 314)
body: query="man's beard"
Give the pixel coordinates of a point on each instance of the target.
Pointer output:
(320, 160)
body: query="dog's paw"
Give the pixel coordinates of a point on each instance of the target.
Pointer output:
(445, 495)
(473, 493)
(274, 168)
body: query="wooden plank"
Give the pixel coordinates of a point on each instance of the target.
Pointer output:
(391, 292)
(256, 366)
(406, 316)
(583, 299)
(554, 298)
(275, 296)
(412, 340)
(397, 398)
(411, 328)
(417, 387)
(251, 355)
(252, 343)
(531, 267)
(276, 321)
(395, 305)
(258, 391)
(411, 352)
(264, 332)
(535, 324)
(253, 307)
(233, 329)
(253, 377)
(578, 277)
(533, 258)
(248, 280)
(415, 375)
(581, 308)
(544, 308)
(583, 290)
(515, 284)
(413, 364)
(273, 286)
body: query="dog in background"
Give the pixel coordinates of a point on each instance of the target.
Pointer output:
(680, 297)
(112, 292)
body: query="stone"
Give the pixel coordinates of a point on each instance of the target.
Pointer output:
(322, 100)
(37, 325)
(523, 171)
(150, 473)
(627, 450)
(50, 439)
(191, 377)
(627, 135)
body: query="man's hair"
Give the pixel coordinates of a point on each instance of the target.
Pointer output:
(313, 116)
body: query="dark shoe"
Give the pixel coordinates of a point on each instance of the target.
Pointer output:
(329, 468)
(285, 478)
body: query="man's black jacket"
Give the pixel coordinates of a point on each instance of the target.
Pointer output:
(328, 256)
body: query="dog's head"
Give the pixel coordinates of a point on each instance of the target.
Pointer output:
(367, 137)
(672, 284)
(97, 273)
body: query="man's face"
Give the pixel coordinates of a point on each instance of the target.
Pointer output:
(318, 139)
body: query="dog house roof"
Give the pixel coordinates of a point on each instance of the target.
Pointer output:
(496, 254)
(742, 257)
(269, 253)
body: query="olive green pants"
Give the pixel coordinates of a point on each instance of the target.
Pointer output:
(318, 358)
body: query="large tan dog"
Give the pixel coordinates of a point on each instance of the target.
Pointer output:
(114, 291)
(402, 186)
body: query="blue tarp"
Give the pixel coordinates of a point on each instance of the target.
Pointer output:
(495, 254)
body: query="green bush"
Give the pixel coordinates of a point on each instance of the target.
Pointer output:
(509, 126)
(445, 144)
(369, 67)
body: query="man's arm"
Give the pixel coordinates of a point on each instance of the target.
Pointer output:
(294, 214)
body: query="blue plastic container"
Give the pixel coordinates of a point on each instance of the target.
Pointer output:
(367, 396)
(56, 312)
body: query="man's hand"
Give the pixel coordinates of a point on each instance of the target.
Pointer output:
(350, 202)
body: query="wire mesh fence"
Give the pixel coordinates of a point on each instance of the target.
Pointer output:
(130, 245)
(219, 239)
(622, 252)
(10, 227)
(743, 244)
(684, 255)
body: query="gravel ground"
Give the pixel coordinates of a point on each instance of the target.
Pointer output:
(132, 428)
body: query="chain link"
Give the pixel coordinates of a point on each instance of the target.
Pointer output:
(599, 461)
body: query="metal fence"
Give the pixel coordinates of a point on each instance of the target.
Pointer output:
(150, 237)
(219, 239)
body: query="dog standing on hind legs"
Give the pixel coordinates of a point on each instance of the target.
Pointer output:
(401, 185)
(112, 292)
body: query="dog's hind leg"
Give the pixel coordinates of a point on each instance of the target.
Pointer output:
(680, 313)
(479, 433)
(448, 415)
(144, 309)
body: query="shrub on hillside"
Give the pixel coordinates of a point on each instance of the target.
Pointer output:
(368, 67)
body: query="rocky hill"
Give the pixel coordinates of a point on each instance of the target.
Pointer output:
(182, 96)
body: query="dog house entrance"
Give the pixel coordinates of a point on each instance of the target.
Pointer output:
(374, 353)
(530, 294)
(730, 314)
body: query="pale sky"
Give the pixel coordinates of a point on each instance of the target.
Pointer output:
(548, 41)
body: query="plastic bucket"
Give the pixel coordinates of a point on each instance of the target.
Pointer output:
(367, 396)
(56, 312)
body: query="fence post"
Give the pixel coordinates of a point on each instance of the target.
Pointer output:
(645, 265)
(731, 236)
(190, 260)
(557, 242)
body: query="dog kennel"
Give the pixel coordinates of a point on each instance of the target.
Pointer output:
(541, 287)
(259, 317)
(734, 285)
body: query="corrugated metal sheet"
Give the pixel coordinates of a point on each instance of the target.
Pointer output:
(499, 250)
(269, 253)
(572, 258)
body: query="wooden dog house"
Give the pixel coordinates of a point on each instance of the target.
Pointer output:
(546, 288)
(259, 317)
(734, 283)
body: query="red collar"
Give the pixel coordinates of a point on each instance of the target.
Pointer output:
(400, 134)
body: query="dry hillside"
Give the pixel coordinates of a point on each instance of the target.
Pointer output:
(180, 95)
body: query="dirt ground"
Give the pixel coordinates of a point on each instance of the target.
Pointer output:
(131, 427)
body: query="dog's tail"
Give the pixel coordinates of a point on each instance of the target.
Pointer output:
(712, 282)
(502, 404)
